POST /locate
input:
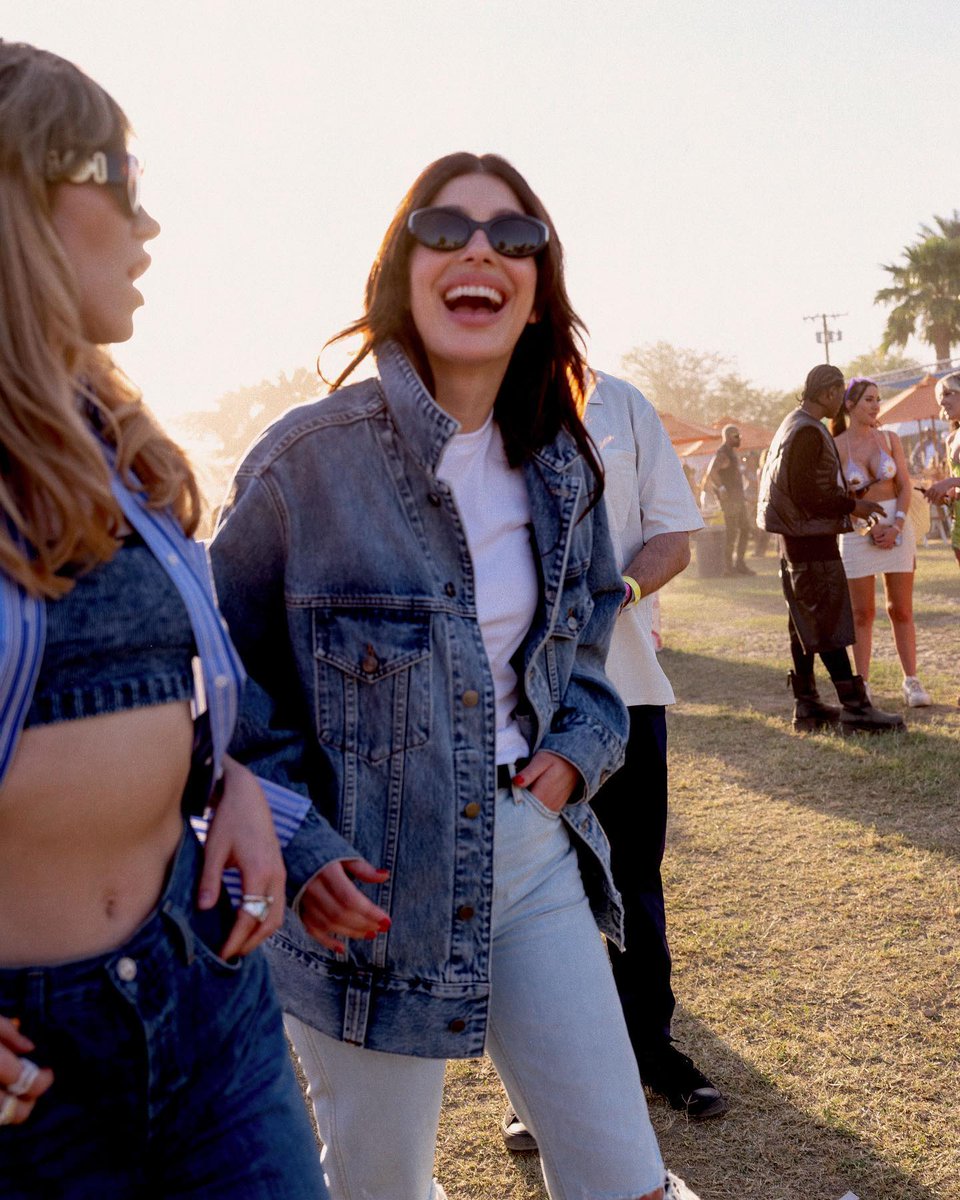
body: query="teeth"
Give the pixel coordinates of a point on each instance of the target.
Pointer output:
(475, 291)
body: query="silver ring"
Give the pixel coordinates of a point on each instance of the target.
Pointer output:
(256, 906)
(24, 1081)
(7, 1110)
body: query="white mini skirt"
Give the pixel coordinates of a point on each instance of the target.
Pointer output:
(862, 558)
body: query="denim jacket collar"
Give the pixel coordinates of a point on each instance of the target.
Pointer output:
(422, 423)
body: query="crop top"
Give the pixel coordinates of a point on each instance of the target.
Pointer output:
(120, 638)
(857, 476)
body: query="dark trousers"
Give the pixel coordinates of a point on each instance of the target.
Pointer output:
(632, 808)
(737, 524)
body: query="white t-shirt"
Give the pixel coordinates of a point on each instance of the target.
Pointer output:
(494, 507)
(646, 493)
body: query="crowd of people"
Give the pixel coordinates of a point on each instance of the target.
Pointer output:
(390, 754)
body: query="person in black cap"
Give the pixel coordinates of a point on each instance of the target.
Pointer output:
(803, 498)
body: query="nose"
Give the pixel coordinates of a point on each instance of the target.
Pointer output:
(146, 226)
(478, 247)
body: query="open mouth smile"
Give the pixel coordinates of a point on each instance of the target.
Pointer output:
(473, 298)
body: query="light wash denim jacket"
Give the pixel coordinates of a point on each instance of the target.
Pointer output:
(343, 570)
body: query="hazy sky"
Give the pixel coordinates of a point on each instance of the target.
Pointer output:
(715, 171)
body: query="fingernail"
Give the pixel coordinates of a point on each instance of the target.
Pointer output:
(205, 898)
(368, 937)
(384, 924)
(518, 780)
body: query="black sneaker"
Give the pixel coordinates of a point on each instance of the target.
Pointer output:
(673, 1076)
(516, 1136)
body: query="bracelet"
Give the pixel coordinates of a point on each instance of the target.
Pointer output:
(632, 591)
(899, 515)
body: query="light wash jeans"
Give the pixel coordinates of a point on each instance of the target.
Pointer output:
(556, 1036)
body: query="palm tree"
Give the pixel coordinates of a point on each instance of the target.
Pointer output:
(926, 290)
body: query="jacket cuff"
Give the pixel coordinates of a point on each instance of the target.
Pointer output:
(314, 846)
(592, 748)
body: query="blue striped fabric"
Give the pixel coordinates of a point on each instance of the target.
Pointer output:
(22, 628)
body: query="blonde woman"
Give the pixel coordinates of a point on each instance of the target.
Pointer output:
(876, 469)
(141, 1049)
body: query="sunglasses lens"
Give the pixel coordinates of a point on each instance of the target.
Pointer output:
(439, 229)
(517, 237)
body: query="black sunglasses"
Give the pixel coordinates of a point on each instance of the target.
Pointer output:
(119, 172)
(514, 236)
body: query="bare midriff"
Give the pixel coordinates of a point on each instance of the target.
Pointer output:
(89, 822)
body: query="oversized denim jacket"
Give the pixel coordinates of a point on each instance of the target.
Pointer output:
(343, 570)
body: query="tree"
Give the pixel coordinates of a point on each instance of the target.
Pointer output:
(222, 434)
(925, 291)
(880, 362)
(701, 386)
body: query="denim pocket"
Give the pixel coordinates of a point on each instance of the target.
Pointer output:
(539, 805)
(372, 675)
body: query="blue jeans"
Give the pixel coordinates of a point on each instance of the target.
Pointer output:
(172, 1076)
(556, 1036)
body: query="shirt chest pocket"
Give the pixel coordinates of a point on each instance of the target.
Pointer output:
(372, 680)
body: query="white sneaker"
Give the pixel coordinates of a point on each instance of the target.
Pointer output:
(914, 693)
(675, 1189)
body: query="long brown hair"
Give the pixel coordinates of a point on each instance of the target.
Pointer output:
(56, 506)
(851, 398)
(544, 388)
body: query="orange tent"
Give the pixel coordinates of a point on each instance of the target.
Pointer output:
(917, 403)
(679, 430)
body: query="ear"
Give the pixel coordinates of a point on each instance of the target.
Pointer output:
(534, 317)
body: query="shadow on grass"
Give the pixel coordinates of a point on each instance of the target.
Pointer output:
(739, 714)
(780, 1151)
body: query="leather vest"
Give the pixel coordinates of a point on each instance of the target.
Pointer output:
(777, 510)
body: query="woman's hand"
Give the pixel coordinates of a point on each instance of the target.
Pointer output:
(333, 907)
(885, 536)
(28, 1082)
(550, 778)
(242, 835)
(942, 491)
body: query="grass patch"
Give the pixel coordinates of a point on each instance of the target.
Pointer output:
(813, 899)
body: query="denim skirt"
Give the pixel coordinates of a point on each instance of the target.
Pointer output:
(171, 1071)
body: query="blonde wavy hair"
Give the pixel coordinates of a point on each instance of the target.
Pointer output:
(56, 506)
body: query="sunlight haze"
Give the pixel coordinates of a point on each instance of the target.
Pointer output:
(715, 172)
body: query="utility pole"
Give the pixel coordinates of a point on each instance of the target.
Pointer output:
(827, 335)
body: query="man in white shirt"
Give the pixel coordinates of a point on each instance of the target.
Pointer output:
(652, 513)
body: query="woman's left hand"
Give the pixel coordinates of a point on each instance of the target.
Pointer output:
(242, 835)
(884, 536)
(550, 778)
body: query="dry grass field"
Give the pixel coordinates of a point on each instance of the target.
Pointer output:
(813, 899)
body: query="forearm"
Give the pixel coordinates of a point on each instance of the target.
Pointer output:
(659, 560)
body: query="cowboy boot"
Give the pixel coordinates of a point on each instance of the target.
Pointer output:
(808, 712)
(858, 714)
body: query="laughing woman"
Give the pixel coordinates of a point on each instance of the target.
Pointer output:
(141, 1048)
(420, 579)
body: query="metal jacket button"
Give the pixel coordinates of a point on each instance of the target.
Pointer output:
(470, 698)
(369, 662)
(466, 912)
(450, 589)
(127, 969)
(434, 499)
(471, 810)
(457, 1025)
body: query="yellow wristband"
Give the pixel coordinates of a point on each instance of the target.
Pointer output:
(635, 591)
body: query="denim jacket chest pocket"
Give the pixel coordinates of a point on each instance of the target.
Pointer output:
(372, 680)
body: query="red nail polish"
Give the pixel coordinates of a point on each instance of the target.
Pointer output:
(368, 937)
(384, 924)
(518, 780)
